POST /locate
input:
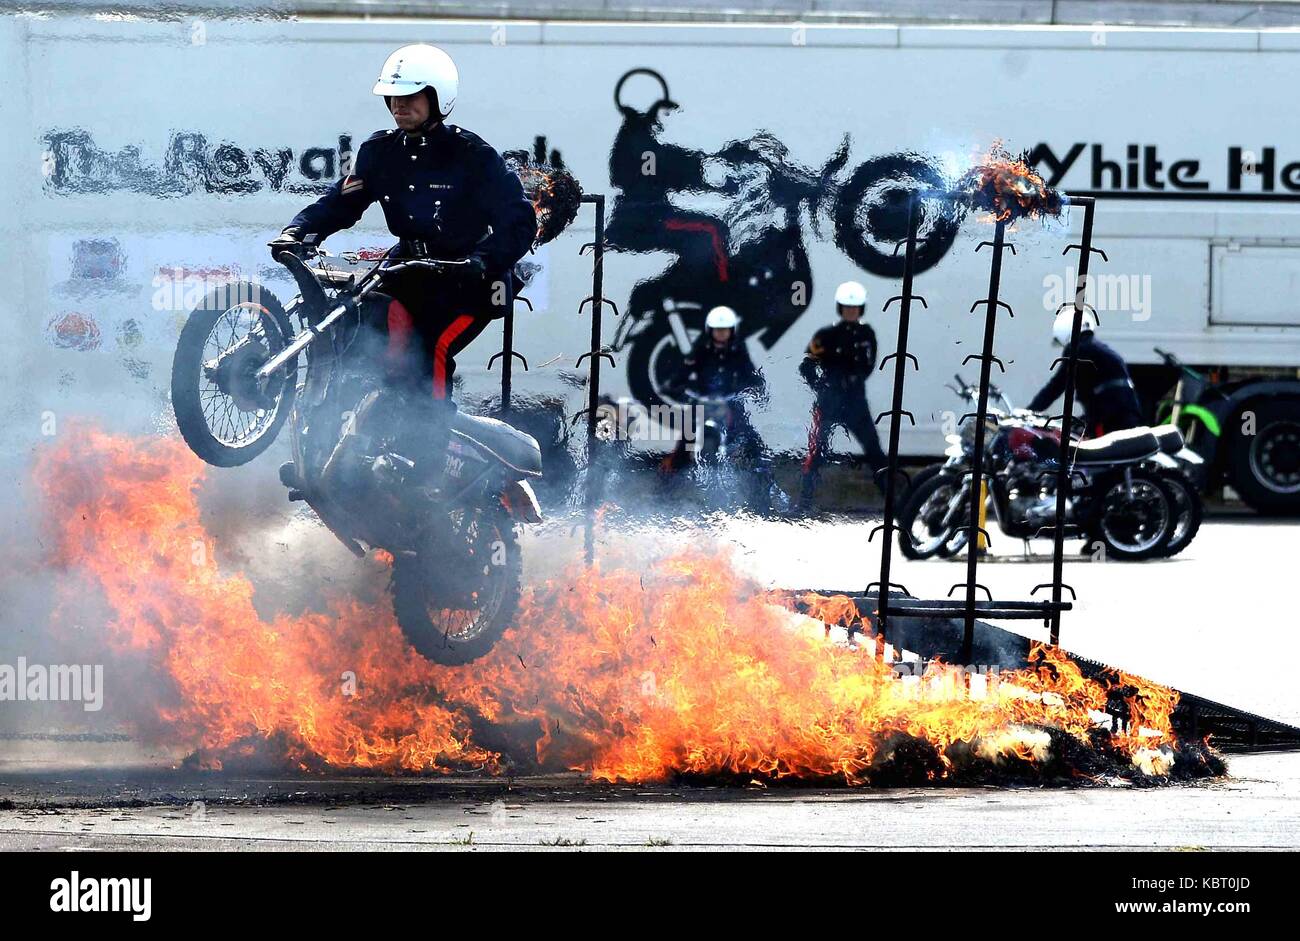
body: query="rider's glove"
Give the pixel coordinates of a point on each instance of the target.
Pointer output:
(290, 240)
(475, 268)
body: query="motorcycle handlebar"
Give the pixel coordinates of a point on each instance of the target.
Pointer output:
(433, 264)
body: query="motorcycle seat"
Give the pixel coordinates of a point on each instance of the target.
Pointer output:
(1118, 447)
(1170, 438)
(510, 446)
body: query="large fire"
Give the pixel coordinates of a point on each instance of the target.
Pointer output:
(628, 676)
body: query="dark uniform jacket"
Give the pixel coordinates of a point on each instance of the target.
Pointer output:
(445, 188)
(839, 359)
(710, 370)
(1103, 388)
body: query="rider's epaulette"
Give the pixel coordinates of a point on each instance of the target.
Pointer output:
(467, 137)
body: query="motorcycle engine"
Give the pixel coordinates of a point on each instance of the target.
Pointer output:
(1027, 491)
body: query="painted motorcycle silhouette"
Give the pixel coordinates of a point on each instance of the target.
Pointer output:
(750, 254)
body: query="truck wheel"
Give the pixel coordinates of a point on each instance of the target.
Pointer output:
(1266, 465)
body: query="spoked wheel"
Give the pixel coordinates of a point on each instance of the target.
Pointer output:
(1137, 521)
(458, 594)
(223, 414)
(922, 532)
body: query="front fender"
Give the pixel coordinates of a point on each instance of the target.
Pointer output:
(520, 502)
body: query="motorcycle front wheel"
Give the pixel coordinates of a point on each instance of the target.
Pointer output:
(654, 359)
(871, 214)
(922, 533)
(456, 596)
(221, 413)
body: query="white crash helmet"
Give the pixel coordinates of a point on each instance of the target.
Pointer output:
(416, 67)
(1063, 326)
(851, 294)
(721, 318)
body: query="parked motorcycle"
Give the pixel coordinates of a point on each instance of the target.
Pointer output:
(1118, 498)
(236, 381)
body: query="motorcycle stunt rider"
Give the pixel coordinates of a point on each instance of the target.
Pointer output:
(836, 366)
(1102, 383)
(445, 194)
(719, 366)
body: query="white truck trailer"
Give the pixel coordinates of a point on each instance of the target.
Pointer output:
(754, 165)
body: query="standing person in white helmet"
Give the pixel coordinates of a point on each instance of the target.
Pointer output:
(836, 366)
(1102, 386)
(445, 194)
(719, 366)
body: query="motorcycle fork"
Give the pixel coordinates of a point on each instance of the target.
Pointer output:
(1001, 502)
(955, 502)
(678, 327)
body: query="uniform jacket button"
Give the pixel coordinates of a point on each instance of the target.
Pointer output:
(411, 187)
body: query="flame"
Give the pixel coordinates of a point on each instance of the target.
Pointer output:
(623, 674)
(1008, 187)
(554, 193)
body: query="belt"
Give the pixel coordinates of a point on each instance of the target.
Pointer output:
(1114, 384)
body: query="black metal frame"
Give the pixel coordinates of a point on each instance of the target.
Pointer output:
(1050, 611)
(594, 355)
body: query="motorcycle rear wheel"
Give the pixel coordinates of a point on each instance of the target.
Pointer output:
(223, 419)
(1189, 510)
(1151, 509)
(456, 635)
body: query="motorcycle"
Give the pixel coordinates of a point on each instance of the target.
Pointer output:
(1119, 497)
(752, 256)
(237, 380)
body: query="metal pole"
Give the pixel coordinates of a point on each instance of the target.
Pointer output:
(1070, 363)
(896, 416)
(507, 354)
(977, 457)
(594, 354)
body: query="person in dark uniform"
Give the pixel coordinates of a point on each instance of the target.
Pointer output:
(445, 194)
(719, 366)
(1102, 385)
(836, 366)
